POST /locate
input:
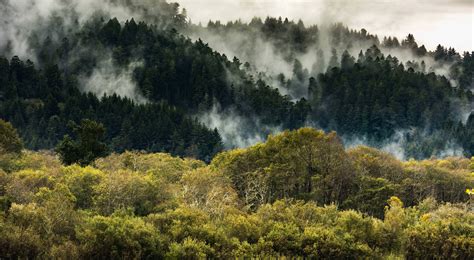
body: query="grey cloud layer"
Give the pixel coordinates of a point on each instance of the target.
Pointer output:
(432, 21)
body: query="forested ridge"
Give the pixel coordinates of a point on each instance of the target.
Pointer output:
(357, 84)
(291, 39)
(152, 137)
(300, 194)
(173, 80)
(179, 77)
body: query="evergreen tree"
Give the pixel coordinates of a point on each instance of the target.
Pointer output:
(86, 146)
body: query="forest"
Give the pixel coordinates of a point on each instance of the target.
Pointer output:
(174, 80)
(300, 194)
(131, 132)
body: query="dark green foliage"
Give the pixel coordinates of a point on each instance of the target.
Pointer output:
(289, 37)
(299, 195)
(41, 103)
(178, 76)
(467, 71)
(376, 96)
(86, 146)
(373, 97)
(192, 76)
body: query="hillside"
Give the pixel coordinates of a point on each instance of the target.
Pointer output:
(169, 89)
(129, 132)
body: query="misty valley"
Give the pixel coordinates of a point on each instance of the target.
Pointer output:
(128, 131)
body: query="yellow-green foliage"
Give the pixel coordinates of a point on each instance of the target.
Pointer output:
(159, 165)
(209, 190)
(29, 160)
(10, 142)
(304, 164)
(375, 163)
(298, 195)
(445, 180)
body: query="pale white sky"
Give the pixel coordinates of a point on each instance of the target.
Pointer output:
(449, 22)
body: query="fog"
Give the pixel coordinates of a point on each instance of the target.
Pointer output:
(21, 19)
(108, 79)
(24, 25)
(397, 144)
(433, 22)
(235, 130)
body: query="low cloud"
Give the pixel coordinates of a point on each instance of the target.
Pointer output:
(236, 131)
(446, 22)
(400, 147)
(107, 79)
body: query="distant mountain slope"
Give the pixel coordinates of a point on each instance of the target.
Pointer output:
(175, 82)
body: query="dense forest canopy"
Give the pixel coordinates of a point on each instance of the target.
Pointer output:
(292, 56)
(155, 89)
(127, 131)
(300, 194)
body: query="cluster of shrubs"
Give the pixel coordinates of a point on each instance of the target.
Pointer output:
(300, 194)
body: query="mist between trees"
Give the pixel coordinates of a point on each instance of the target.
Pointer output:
(286, 75)
(148, 136)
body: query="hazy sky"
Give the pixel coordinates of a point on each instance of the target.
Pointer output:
(449, 22)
